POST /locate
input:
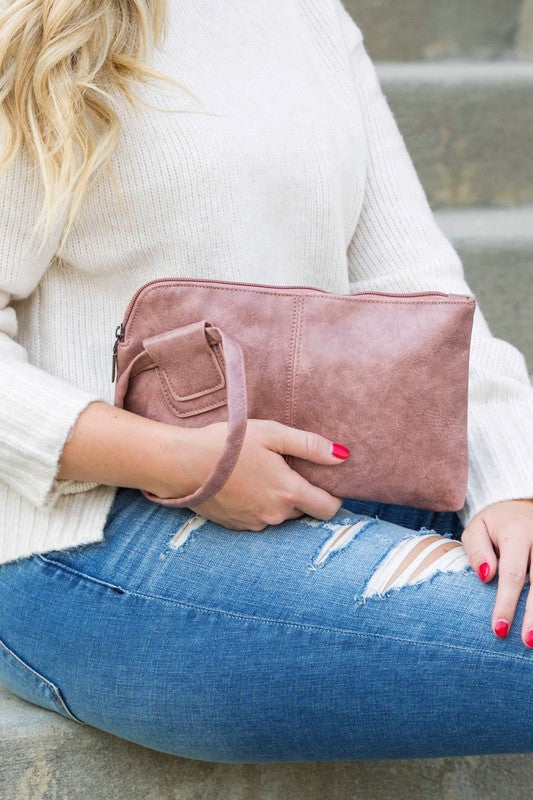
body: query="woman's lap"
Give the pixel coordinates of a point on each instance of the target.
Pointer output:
(238, 646)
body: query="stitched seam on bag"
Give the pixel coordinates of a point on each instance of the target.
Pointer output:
(217, 372)
(288, 293)
(287, 623)
(172, 405)
(296, 363)
(146, 368)
(244, 388)
(292, 354)
(163, 385)
(217, 352)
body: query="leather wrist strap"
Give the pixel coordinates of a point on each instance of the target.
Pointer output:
(237, 410)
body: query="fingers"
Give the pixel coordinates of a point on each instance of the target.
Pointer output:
(527, 625)
(307, 444)
(514, 555)
(315, 502)
(305, 498)
(479, 549)
(512, 570)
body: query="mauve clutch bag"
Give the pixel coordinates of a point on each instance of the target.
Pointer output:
(385, 374)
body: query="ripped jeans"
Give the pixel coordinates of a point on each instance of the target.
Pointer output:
(364, 637)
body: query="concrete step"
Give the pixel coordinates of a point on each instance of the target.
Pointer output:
(468, 127)
(46, 757)
(496, 247)
(432, 29)
(525, 38)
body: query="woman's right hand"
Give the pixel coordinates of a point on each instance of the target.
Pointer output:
(116, 447)
(262, 489)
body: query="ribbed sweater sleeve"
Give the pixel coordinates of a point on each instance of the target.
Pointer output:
(37, 408)
(399, 247)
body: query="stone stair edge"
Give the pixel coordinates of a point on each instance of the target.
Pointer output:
(457, 69)
(509, 227)
(432, 30)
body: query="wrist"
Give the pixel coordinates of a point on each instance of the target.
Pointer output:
(169, 471)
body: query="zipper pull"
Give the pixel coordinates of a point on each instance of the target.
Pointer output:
(119, 336)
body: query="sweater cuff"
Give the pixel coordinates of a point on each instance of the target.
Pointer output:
(500, 455)
(38, 412)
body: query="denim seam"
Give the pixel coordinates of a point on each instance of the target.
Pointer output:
(286, 623)
(90, 578)
(51, 686)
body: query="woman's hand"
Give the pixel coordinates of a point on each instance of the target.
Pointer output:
(116, 447)
(262, 489)
(500, 537)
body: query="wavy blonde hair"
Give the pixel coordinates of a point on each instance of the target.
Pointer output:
(59, 62)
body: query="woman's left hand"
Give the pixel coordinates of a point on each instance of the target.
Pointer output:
(500, 539)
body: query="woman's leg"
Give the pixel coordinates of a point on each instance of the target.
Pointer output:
(283, 645)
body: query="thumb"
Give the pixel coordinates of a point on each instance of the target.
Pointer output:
(479, 549)
(309, 445)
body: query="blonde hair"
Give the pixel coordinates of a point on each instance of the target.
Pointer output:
(59, 61)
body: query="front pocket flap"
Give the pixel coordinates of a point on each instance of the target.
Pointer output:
(186, 361)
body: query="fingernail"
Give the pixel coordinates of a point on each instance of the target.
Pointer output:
(529, 638)
(501, 628)
(483, 570)
(339, 450)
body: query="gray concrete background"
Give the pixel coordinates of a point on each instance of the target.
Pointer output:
(410, 30)
(458, 77)
(468, 127)
(494, 244)
(525, 37)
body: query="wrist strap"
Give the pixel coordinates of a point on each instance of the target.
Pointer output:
(236, 398)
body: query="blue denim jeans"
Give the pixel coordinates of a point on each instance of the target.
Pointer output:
(219, 645)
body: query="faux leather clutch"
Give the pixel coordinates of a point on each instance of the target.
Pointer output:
(385, 374)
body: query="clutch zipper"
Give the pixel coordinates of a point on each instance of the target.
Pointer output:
(119, 337)
(121, 328)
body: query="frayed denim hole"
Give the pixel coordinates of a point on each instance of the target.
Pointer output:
(343, 517)
(185, 533)
(385, 555)
(423, 531)
(361, 599)
(341, 534)
(445, 535)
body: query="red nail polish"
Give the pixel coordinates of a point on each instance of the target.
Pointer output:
(339, 450)
(529, 638)
(501, 628)
(483, 570)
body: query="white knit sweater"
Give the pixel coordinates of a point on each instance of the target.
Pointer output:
(288, 168)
